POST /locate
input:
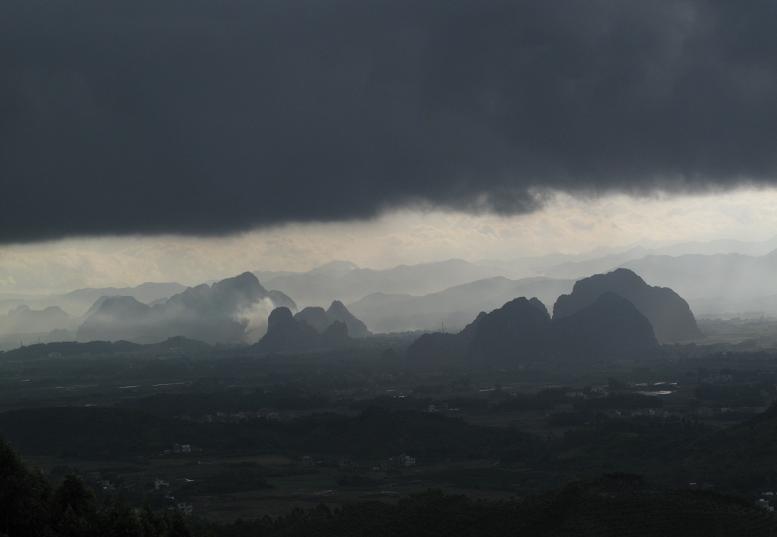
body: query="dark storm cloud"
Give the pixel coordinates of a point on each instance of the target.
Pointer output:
(206, 117)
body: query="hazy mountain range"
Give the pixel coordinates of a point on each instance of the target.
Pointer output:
(77, 302)
(613, 315)
(233, 310)
(574, 266)
(452, 308)
(722, 277)
(23, 324)
(717, 279)
(345, 281)
(23, 319)
(230, 310)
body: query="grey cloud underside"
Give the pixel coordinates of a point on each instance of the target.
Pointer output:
(208, 117)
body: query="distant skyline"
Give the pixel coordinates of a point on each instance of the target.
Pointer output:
(564, 225)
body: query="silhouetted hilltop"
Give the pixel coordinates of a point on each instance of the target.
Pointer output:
(286, 333)
(610, 327)
(668, 313)
(518, 331)
(521, 331)
(239, 291)
(225, 296)
(338, 312)
(321, 319)
(315, 317)
(230, 310)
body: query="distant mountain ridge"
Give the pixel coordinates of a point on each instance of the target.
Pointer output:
(25, 320)
(78, 301)
(579, 266)
(345, 281)
(717, 285)
(453, 307)
(228, 311)
(145, 292)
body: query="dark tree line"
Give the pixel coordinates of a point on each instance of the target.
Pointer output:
(31, 507)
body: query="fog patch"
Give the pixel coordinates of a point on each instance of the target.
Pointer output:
(254, 318)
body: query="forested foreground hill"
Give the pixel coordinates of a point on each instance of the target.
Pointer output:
(616, 505)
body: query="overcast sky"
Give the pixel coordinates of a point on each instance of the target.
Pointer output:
(215, 119)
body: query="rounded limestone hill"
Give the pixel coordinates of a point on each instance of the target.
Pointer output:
(668, 313)
(610, 327)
